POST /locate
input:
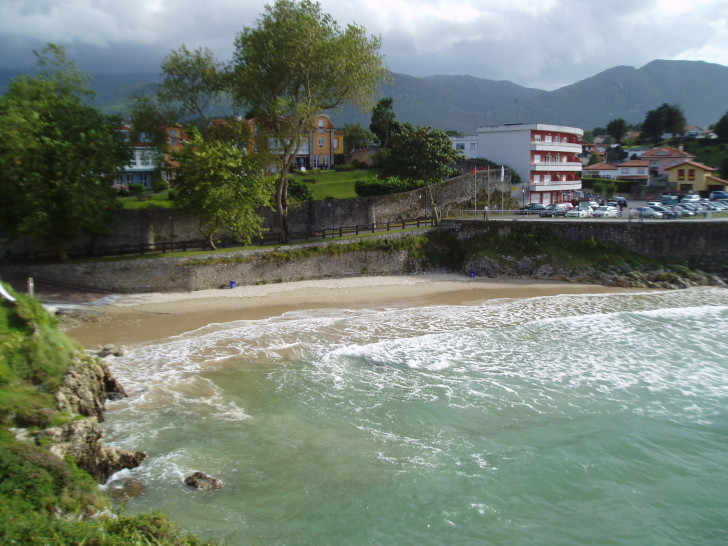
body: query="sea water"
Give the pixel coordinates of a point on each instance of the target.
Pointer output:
(572, 419)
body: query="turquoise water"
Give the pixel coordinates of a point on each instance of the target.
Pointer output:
(575, 419)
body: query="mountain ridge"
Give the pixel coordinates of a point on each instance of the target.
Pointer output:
(463, 102)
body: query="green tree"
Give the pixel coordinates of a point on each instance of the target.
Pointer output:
(293, 64)
(193, 80)
(355, 137)
(721, 128)
(222, 187)
(420, 153)
(667, 118)
(383, 122)
(594, 158)
(617, 129)
(605, 188)
(58, 155)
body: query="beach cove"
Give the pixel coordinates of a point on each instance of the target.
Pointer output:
(135, 318)
(430, 409)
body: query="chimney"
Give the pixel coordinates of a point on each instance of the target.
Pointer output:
(680, 147)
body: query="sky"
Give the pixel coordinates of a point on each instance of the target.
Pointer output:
(544, 44)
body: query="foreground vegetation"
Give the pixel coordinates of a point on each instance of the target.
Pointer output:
(44, 499)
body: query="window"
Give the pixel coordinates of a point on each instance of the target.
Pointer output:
(549, 138)
(641, 170)
(316, 161)
(537, 138)
(460, 146)
(321, 142)
(681, 174)
(537, 158)
(624, 170)
(691, 174)
(547, 178)
(473, 146)
(536, 178)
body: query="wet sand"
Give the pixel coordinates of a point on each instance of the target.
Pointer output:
(139, 318)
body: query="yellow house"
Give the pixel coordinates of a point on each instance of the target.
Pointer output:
(318, 151)
(691, 176)
(325, 142)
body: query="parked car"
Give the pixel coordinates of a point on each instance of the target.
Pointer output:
(682, 210)
(531, 208)
(669, 200)
(579, 213)
(666, 213)
(718, 195)
(690, 198)
(558, 209)
(605, 211)
(647, 212)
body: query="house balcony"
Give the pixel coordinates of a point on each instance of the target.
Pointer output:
(569, 166)
(568, 147)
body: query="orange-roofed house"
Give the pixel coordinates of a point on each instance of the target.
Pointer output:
(600, 170)
(691, 176)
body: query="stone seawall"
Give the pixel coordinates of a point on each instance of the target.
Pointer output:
(702, 244)
(201, 272)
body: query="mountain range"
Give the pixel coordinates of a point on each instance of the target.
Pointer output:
(463, 103)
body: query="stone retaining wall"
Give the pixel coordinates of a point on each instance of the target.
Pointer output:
(702, 244)
(247, 267)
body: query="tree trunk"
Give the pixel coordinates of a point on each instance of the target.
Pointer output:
(282, 204)
(61, 251)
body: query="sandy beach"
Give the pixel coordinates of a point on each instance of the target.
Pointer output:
(120, 319)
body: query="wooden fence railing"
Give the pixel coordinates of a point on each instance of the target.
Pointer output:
(165, 247)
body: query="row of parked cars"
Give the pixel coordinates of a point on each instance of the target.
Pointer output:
(667, 208)
(690, 205)
(590, 209)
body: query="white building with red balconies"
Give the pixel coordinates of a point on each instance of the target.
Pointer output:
(546, 158)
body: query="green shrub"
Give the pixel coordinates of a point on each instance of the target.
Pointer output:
(299, 191)
(159, 185)
(344, 168)
(374, 185)
(136, 189)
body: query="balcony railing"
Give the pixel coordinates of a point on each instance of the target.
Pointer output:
(568, 145)
(557, 164)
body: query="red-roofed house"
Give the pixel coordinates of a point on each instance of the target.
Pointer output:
(661, 159)
(600, 170)
(691, 176)
(636, 170)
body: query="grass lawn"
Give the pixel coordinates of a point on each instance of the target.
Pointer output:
(146, 200)
(339, 185)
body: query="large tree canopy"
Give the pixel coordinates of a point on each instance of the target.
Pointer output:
(222, 187)
(294, 63)
(383, 123)
(617, 129)
(721, 128)
(667, 118)
(58, 156)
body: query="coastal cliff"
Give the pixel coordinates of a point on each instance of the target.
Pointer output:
(52, 457)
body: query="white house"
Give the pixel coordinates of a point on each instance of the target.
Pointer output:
(467, 145)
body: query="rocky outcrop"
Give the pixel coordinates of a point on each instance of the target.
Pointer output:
(82, 440)
(86, 387)
(200, 480)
